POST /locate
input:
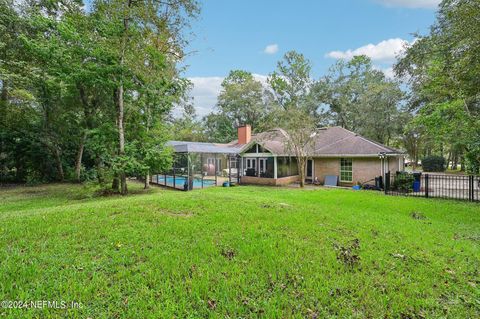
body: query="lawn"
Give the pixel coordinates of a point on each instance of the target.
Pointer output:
(240, 252)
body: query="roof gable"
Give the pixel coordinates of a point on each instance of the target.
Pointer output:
(330, 141)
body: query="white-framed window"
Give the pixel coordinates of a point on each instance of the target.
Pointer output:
(346, 174)
(251, 163)
(233, 162)
(263, 165)
(211, 161)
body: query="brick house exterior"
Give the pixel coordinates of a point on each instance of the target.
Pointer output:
(336, 151)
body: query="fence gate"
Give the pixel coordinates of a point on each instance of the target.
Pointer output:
(462, 187)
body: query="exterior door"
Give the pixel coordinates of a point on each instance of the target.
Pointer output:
(309, 174)
(263, 165)
(250, 164)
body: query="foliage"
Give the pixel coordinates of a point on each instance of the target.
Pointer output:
(291, 87)
(433, 163)
(187, 127)
(242, 100)
(361, 99)
(442, 70)
(265, 257)
(88, 92)
(403, 182)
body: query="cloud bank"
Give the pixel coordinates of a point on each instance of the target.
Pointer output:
(413, 4)
(385, 51)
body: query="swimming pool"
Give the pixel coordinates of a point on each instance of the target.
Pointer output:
(180, 181)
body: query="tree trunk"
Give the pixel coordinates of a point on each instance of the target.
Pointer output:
(121, 138)
(147, 181)
(4, 94)
(301, 171)
(116, 184)
(78, 159)
(58, 162)
(120, 100)
(100, 175)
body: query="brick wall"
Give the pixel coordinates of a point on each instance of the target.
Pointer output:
(366, 169)
(363, 169)
(326, 166)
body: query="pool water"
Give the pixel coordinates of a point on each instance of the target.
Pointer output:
(180, 181)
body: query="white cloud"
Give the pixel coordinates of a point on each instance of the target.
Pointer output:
(204, 92)
(206, 89)
(388, 71)
(385, 51)
(271, 49)
(414, 4)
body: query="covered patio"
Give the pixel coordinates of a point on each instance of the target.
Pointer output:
(259, 165)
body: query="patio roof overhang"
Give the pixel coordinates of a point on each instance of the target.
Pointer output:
(198, 147)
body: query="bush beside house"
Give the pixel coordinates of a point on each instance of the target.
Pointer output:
(433, 163)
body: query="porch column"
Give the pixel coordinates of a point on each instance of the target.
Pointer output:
(275, 167)
(257, 163)
(215, 169)
(229, 159)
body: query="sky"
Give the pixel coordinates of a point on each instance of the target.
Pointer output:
(253, 35)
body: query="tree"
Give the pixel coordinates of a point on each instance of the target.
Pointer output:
(218, 128)
(134, 30)
(242, 100)
(361, 99)
(294, 111)
(292, 84)
(187, 127)
(442, 70)
(72, 80)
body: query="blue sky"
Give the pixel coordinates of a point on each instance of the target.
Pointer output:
(253, 35)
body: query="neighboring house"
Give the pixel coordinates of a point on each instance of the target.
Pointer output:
(264, 158)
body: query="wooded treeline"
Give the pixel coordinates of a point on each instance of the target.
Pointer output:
(85, 94)
(88, 94)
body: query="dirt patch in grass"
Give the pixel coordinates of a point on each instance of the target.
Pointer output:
(418, 215)
(348, 254)
(228, 253)
(176, 213)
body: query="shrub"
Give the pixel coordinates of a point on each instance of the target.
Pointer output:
(403, 182)
(433, 164)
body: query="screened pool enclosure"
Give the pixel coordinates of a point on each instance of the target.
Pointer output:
(200, 165)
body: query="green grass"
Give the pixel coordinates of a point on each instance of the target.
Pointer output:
(240, 252)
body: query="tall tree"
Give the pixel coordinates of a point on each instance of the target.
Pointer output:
(187, 127)
(294, 111)
(134, 28)
(361, 98)
(442, 70)
(242, 100)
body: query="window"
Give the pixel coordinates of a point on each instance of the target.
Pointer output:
(233, 162)
(251, 163)
(211, 161)
(346, 170)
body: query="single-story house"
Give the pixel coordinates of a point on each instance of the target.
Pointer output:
(264, 158)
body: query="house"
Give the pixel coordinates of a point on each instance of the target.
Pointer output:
(335, 151)
(264, 159)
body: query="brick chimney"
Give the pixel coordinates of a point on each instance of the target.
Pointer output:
(244, 133)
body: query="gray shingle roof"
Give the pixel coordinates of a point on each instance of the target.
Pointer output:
(331, 141)
(328, 142)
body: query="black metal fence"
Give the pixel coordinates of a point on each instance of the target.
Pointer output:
(461, 187)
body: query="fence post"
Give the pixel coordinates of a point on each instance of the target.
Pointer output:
(386, 182)
(470, 188)
(426, 185)
(174, 182)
